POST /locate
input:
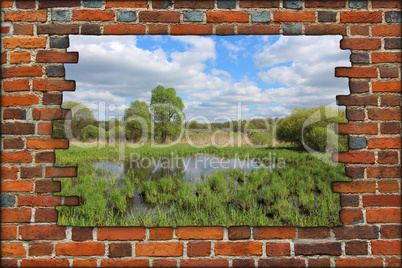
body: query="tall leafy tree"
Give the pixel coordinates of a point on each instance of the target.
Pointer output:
(134, 117)
(81, 117)
(167, 111)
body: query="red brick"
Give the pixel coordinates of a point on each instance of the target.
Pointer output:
(46, 215)
(354, 157)
(199, 233)
(204, 263)
(294, 16)
(122, 29)
(384, 143)
(16, 143)
(159, 16)
(157, 29)
(50, 114)
(45, 157)
(257, 29)
(390, 100)
(168, 249)
(348, 100)
(162, 233)
(45, 263)
(359, 30)
(356, 72)
(9, 172)
(388, 157)
(22, 72)
(58, 29)
(393, 262)
(358, 86)
(13, 215)
(278, 249)
(16, 186)
(351, 216)
(58, 3)
(24, 42)
(382, 201)
(38, 200)
(377, 57)
(381, 247)
(384, 172)
(16, 85)
(330, 248)
(80, 249)
(40, 249)
(354, 187)
(47, 143)
(84, 263)
(82, 234)
(356, 248)
(56, 56)
(59, 172)
(274, 233)
(18, 128)
(93, 15)
(333, 3)
(390, 128)
(16, 157)
(386, 30)
(250, 248)
(12, 250)
(281, 263)
(5, 30)
(31, 172)
(125, 263)
(45, 128)
(53, 85)
(117, 250)
(319, 263)
(361, 43)
(26, 16)
(357, 128)
(13, 113)
(164, 263)
(239, 232)
(118, 3)
(348, 200)
(224, 30)
(4, 4)
(191, 29)
(358, 262)
(47, 186)
(361, 16)
(325, 29)
(227, 16)
(313, 232)
(354, 114)
(121, 233)
(391, 215)
(358, 231)
(388, 186)
(390, 231)
(50, 98)
(8, 232)
(197, 249)
(19, 100)
(386, 4)
(20, 57)
(258, 4)
(243, 263)
(24, 29)
(391, 86)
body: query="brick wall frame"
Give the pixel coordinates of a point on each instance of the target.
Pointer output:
(34, 42)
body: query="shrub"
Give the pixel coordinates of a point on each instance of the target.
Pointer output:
(91, 133)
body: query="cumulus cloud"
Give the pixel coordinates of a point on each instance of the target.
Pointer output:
(293, 71)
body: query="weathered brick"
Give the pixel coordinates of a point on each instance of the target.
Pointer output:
(294, 16)
(356, 248)
(15, 215)
(360, 57)
(356, 72)
(393, 17)
(19, 100)
(61, 15)
(191, 29)
(386, 30)
(356, 142)
(199, 249)
(224, 29)
(121, 233)
(203, 4)
(26, 16)
(359, 30)
(16, 157)
(162, 4)
(356, 232)
(204, 263)
(31, 172)
(390, 128)
(55, 71)
(292, 29)
(122, 29)
(313, 232)
(90, 29)
(348, 100)
(324, 29)
(250, 248)
(42, 232)
(12, 113)
(258, 4)
(47, 186)
(351, 216)
(47, 143)
(164, 263)
(158, 29)
(386, 4)
(93, 15)
(391, 215)
(117, 250)
(381, 247)
(330, 3)
(348, 200)
(361, 43)
(46, 215)
(56, 56)
(355, 114)
(58, 3)
(390, 231)
(257, 29)
(358, 4)
(31, 71)
(162, 233)
(278, 249)
(135, 4)
(50, 114)
(23, 29)
(157, 16)
(319, 263)
(357, 128)
(93, 3)
(40, 249)
(293, 4)
(18, 128)
(168, 249)
(389, 72)
(59, 42)
(45, 128)
(388, 157)
(20, 57)
(80, 249)
(227, 4)
(9, 172)
(58, 172)
(263, 16)
(199, 233)
(227, 16)
(8, 200)
(377, 57)
(383, 172)
(330, 248)
(38, 200)
(354, 157)
(16, 186)
(361, 16)
(12, 250)
(382, 201)
(196, 16)
(358, 86)
(81, 234)
(354, 187)
(327, 16)
(384, 114)
(282, 263)
(126, 16)
(239, 232)
(393, 43)
(384, 143)
(26, 4)
(391, 86)
(8, 232)
(58, 29)
(274, 233)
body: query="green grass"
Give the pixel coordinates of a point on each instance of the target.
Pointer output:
(298, 195)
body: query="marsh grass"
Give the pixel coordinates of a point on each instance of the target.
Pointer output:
(298, 195)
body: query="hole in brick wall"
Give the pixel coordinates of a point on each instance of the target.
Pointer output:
(198, 130)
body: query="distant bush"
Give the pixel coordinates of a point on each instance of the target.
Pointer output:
(92, 133)
(58, 133)
(260, 138)
(315, 133)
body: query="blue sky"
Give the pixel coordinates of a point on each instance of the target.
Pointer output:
(267, 75)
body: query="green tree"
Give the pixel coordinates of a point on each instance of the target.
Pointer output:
(136, 115)
(167, 112)
(81, 117)
(91, 132)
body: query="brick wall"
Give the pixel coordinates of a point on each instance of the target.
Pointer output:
(34, 42)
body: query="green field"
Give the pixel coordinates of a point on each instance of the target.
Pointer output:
(298, 195)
